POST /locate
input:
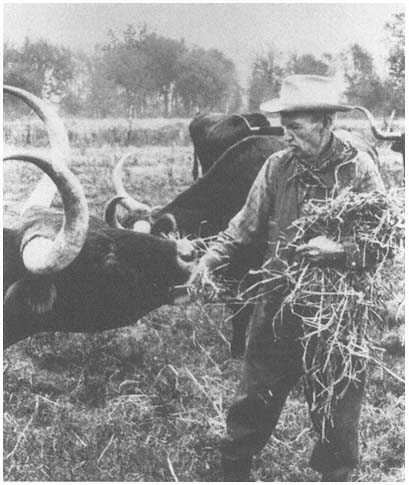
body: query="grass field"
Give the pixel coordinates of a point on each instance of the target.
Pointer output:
(147, 403)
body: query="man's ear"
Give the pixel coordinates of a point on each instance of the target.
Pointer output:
(328, 120)
(30, 296)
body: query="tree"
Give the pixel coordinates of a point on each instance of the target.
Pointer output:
(104, 98)
(143, 66)
(39, 66)
(364, 86)
(270, 69)
(265, 79)
(206, 79)
(396, 61)
(162, 57)
(309, 64)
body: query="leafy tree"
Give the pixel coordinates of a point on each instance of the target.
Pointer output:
(364, 86)
(143, 66)
(37, 66)
(206, 79)
(265, 79)
(309, 64)
(270, 69)
(162, 56)
(103, 98)
(396, 61)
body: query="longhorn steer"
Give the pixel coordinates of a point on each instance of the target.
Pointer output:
(71, 272)
(398, 138)
(205, 208)
(212, 134)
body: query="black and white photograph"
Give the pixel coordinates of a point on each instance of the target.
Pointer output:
(203, 242)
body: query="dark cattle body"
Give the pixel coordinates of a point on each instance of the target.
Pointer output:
(205, 208)
(118, 277)
(212, 134)
(66, 271)
(399, 147)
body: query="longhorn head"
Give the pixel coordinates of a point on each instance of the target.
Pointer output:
(41, 249)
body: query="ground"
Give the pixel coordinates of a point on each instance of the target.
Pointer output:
(147, 403)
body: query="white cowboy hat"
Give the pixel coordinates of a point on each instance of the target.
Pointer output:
(302, 92)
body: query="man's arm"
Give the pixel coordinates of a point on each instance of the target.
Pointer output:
(322, 249)
(249, 225)
(368, 179)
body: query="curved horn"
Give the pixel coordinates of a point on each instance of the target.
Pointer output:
(380, 135)
(244, 120)
(53, 123)
(127, 201)
(41, 252)
(110, 212)
(58, 139)
(263, 130)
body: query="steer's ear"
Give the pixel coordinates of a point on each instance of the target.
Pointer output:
(165, 225)
(31, 295)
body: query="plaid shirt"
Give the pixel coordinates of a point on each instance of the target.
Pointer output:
(283, 185)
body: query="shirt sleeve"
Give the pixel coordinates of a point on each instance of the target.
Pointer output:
(249, 225)
(368, 179)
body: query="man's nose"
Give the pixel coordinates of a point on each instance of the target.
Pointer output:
(287, 136)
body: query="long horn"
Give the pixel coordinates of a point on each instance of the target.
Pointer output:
(127, 201)
(262, 130)
(110, 212)
(244, 120)
(59, 146)
(380, 135)
(42, 253)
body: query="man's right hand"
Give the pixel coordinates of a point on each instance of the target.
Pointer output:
(203, 280)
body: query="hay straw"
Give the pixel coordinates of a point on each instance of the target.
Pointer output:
(341, 309)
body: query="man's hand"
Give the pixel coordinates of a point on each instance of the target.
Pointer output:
(321, 249)
(202, 280)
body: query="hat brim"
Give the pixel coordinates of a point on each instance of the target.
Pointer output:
(277, 106)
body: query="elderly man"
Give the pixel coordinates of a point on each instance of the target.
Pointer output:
(316, 165)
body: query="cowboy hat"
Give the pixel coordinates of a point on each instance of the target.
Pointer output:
(302, 92)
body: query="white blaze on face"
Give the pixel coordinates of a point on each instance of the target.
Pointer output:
(142, 226)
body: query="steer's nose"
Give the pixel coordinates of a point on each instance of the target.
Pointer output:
(186, 250)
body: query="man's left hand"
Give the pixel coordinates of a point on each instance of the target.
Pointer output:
(321, 249)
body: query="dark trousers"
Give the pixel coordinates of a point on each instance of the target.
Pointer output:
(273, 365)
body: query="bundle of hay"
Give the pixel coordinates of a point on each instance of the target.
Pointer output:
(341, 309)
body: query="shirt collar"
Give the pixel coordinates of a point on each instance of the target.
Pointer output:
(337, 152)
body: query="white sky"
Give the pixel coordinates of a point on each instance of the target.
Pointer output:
(240, 30)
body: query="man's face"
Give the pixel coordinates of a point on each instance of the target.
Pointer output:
(303, 133)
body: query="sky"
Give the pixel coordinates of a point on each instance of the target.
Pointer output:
(240, 30)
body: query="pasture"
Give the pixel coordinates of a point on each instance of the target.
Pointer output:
(147, 402)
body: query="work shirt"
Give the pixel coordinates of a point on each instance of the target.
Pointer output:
(283, 186)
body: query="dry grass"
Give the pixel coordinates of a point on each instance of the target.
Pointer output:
(147, 403)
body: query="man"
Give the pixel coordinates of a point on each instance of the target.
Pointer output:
(316, 165)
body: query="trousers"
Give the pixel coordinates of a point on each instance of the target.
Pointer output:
(273, 364)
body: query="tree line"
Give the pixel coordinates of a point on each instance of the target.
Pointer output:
(143, 74)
